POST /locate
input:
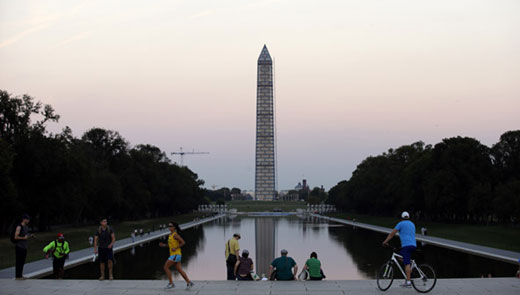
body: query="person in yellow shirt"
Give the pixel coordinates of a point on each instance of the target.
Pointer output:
(232, 249)
(175, 242)
(59, 249)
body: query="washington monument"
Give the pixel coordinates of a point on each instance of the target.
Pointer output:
(265, 138)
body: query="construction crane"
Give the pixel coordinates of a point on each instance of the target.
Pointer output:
(182, 153)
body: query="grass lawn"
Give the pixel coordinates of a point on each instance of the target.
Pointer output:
(496, 236)
(78, 237)
(263, 206)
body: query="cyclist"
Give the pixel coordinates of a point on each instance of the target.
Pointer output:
(406, 230)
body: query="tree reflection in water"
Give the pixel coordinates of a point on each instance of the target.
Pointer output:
(150, 258)
(365, 248)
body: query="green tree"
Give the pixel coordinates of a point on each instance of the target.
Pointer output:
(507, 202)
(313, 200)
(16, 113)
(62, 179)
(318, 193)
(8, 195)
(506, 155)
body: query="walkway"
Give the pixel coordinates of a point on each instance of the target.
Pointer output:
(503, 286)
(493, 253)
(41, 268)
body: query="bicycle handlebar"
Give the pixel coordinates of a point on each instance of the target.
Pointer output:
(394, 249)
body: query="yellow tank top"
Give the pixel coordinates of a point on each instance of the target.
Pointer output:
(173, 243)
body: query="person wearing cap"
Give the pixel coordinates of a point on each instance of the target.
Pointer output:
(406, 230)
(59, 249)
(21, 235)
(283, 266)
(244, 267)
(232, 254)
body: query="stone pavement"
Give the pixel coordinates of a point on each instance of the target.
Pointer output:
(43, 267)
(77, 287)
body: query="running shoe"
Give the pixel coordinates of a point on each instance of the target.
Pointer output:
(406, 285)
(189, 285)
(169, 286)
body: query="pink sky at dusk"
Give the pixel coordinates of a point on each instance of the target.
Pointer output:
(353, 78)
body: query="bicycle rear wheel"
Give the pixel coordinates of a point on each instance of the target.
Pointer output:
(423, 278)
(385, 276)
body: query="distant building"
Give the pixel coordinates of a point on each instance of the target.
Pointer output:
(288, 195)
(299, 186)
(303, 189)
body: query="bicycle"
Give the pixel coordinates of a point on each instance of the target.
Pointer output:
(423, 276)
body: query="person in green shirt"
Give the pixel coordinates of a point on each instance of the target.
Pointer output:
(59, 249)
(283, 266)
(313, 265)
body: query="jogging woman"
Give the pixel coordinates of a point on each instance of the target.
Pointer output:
(175, 242)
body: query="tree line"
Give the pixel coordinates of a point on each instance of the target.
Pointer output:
(61, 179)
(456, 180)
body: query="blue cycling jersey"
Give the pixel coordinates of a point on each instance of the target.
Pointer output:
(406, 230)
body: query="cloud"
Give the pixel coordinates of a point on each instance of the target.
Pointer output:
(41, 22)
(76, 37)
(263, 3)
(202, 14)
(19, 36)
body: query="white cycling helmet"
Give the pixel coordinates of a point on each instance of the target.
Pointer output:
(405, 215)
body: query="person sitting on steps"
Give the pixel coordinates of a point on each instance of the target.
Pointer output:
(283, 265)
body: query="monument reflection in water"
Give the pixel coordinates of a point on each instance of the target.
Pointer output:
(265, 237)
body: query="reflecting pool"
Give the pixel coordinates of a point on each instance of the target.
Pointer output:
(345, 253)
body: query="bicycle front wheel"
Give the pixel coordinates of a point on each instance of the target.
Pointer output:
(423, 278)
(385, 276)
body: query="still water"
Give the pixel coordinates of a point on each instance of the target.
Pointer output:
(345, 253)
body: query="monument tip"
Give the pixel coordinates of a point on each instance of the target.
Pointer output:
(264, 55)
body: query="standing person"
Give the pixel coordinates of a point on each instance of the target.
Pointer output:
(20, 237)
(244, 267)
(175, 242)
(231, 252)
(406, 230)
(283, 266)
(60, 250)
(104, 240)
(313, 265)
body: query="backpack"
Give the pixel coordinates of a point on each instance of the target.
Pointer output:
(13, 232)
(109, 230)
(51, 253)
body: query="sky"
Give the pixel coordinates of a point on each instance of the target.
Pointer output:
(352, 78)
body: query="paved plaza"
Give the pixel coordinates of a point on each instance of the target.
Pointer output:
(73, 287)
